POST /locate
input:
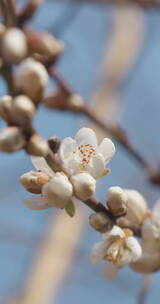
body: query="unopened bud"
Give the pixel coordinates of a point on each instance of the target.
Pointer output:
(13, 45)
(23, 109)
(75, 102)
(137, 207)
(117, 201)
(84, 185)
(44, 43)
(101, 222)
(5, 107)
(31, 79)
(56, 100)
(34, 181)
(37, 146)
(54, 143)
(58, 192)
(11, 140)
(148, 263)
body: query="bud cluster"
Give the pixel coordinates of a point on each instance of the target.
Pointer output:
(28, 50)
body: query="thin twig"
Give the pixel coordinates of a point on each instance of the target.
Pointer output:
(4, 7)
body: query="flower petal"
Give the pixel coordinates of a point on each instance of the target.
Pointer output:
(117, 231)
(107, 149)
(41, 164)
(86, 136)
(96, 166)
(98, 252)
(110, 271)
(66, 148)
(134, 247)
(36, 203)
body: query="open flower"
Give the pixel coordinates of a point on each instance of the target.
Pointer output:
(82, 154)
(119, 248)
(56, 192)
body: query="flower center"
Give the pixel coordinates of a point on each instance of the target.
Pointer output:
(86, 152)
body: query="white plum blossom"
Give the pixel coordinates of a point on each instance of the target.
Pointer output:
(57, 192)
(82, 154)
(119, 247)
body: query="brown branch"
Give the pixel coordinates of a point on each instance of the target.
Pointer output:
(28, 12)
(4, 7)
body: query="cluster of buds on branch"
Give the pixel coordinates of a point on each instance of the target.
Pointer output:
(68, 171)
(126, 213)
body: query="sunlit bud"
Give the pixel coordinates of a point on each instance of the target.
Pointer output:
(34, 181)
(54, 143)
(11, 140)
(137, 207)
(101, 222)
(37, 146)
(75, 102)
(13, 45)
(5, 107)
(117, 201)
(58, 191)
(44, 43)
(84, 185)
(31, 79)
(23, 109)
(148, 263)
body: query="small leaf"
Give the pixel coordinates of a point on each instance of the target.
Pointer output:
(70, 209)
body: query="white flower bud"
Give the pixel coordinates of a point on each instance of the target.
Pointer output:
(101, 222)
(31, 79)
(23, 110)
(58, 192)
(117, 201)
(34, 181)
(11, 140)
(84, 185)
(13, 45)
(37, 146)
(5, 107)
(137, 207)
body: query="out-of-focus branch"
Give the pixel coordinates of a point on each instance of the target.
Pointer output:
(144, 289)
(28, 11)
(141, 3)
(53, 259)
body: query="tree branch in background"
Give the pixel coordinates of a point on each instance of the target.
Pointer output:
(144, 289)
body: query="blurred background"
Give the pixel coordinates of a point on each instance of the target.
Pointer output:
(112, 58)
